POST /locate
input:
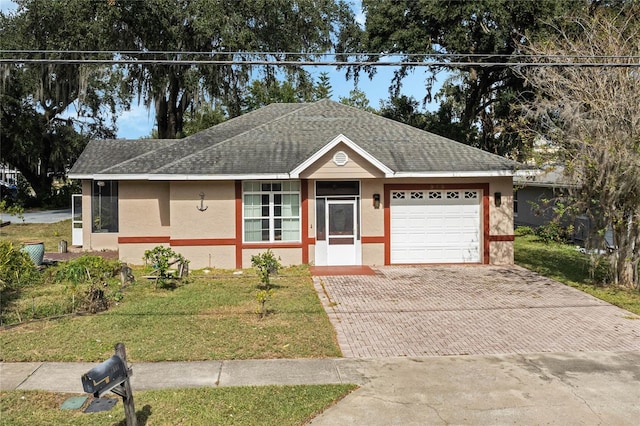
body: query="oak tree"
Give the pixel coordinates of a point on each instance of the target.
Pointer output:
(477, 99)
(48, 111)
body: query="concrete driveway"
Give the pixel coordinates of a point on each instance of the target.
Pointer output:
(469, 310)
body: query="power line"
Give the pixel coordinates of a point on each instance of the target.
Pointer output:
(454, 60)
(315, 54)
(274, 62)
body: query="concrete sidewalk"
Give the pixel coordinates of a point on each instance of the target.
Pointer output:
(65, 376)
(551, 388)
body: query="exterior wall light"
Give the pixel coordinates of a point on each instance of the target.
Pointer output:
(497, 199)
(376, 201)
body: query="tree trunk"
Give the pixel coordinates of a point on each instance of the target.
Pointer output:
(161, 117)
(40, 182)
(170, 111)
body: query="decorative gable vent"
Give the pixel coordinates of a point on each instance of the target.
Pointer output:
(340, 158)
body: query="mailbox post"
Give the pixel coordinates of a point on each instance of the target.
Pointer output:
(113, 375)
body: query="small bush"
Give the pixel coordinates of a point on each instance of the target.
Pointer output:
(16, 268)
(524, 230)
(552, 231)
(12, 208)
(161, 258)
(87, 268)
(266, 264)
(263, 296)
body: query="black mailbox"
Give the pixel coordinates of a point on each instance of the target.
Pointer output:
(105, 377)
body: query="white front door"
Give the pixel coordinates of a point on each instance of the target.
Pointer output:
(76, 219)
(343, 244)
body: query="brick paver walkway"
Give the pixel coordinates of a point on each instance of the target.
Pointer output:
(455, 310)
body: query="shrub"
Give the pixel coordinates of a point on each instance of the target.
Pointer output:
(160, 258)
(266, 264)
(552, 231)
(16, 268)
(12, 208)
(87, 268)
(524, 230)
(263, 296)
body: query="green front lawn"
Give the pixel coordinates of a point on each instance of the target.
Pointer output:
(265, 405)
(208, 318)
(49, 233)
(564, 263)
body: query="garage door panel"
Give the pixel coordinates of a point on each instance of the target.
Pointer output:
(435, 228)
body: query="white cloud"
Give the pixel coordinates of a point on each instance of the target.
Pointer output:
(135, 123)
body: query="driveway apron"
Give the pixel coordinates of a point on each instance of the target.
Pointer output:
(469, 310)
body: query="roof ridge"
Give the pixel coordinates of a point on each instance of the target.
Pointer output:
(304, 105)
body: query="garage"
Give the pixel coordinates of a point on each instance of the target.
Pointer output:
(435, 226)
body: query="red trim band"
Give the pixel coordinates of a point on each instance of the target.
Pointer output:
(502, 238)
(270, 245)
(143, 240)
(203, 242)
(373, 240)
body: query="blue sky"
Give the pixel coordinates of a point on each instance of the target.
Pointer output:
(139, 122)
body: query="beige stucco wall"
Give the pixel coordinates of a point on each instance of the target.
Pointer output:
(372, 219)
(373, 254)
(143, 208)
(501, 252)
(205, 256)
(356, 168)
(288, 256)
(169, 209)
(133, 253)
(501, 218)
(218, 221)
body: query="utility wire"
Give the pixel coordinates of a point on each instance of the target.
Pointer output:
(317, 63)
(318, 54)
(454, 60)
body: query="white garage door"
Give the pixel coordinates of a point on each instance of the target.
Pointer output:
(435, 226)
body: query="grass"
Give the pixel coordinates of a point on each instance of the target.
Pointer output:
(209, 317)
(564, 263)
(265, 405)
(49, 233)
(206, 319)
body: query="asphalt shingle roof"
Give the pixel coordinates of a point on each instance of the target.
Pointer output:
(278, 138)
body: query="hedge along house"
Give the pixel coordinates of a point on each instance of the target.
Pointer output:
(319, 183)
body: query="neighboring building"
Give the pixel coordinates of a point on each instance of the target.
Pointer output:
(320, 183)
(535, 196)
